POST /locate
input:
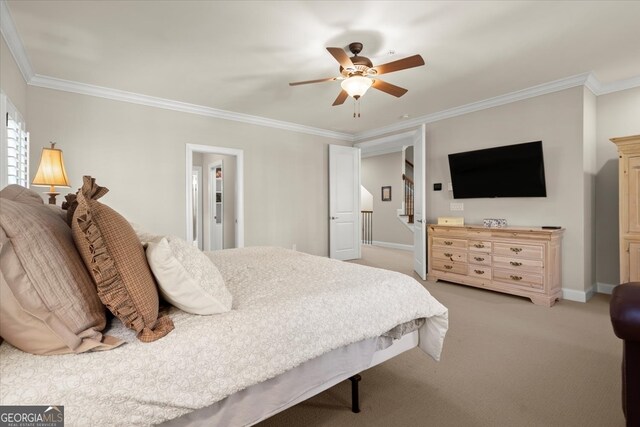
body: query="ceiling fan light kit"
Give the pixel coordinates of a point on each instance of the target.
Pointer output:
(356, 73)
(356, 86)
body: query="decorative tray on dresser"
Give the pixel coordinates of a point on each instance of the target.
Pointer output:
(524, 261)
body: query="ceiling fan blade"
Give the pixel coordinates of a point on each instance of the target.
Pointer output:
(400, 64)
(342, 96)
(389, 88)
(328, 79)
(342, 57)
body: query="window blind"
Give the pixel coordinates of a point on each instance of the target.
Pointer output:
(15, 144)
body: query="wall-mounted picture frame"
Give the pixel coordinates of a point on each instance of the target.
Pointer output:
(386, 194)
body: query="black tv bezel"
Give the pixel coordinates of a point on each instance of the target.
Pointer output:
(541, 190)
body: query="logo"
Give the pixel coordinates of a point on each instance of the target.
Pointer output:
(31, 416)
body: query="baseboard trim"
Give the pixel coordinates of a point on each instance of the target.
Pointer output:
(393, 245)
(579, 296)
(605, 288)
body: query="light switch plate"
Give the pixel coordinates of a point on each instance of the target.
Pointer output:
(456, 206)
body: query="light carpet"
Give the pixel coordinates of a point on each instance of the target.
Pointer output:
(506, 362)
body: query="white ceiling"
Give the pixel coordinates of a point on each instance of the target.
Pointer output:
(239, 56)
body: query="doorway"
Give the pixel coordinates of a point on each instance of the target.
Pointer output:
(396, 143)
(221, 217)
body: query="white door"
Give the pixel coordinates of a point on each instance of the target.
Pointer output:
(196, 197)
(344, 202)
(419, 231)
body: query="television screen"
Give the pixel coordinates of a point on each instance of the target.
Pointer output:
(507, 171)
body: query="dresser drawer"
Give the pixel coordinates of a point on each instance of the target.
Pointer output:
(518, 250)
(448, 266)
(479, 258)
(451, 243)
(521, 278)
(479, 246)
(449, 254)
(518, 264)
(480, 271)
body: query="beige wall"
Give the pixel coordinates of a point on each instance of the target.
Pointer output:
(11, 80)
(138, 152)
(618, 115)
(376, 172)
(557, 120)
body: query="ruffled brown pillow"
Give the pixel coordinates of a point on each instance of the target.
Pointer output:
(116, 261)
(70, 205)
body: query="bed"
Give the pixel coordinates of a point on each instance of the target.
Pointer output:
(299, 324)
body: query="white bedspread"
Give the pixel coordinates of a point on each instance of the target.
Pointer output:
(288, 307)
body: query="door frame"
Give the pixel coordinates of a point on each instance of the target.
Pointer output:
(239, 188)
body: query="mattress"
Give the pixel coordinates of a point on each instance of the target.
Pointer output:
(288, 308)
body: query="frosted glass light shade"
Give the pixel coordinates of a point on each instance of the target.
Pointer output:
(356, 86)
(51, 170)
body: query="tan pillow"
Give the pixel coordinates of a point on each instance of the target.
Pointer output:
(48, 303)
(115, 259)
(20, 194)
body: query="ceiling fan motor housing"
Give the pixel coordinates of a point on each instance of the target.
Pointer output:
(362, 63)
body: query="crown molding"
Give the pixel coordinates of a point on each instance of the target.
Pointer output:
(543, 89)
(594, 85)
(184, 107)
(14, 42)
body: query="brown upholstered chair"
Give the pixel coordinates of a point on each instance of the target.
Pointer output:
(625, 317)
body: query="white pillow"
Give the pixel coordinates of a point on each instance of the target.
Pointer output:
(187, 278)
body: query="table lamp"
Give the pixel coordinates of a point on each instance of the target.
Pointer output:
(51, 172)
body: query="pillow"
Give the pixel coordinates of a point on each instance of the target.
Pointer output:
(116, 261)
(69, 205)
(20, 194)
(48, 303)
(187, 278)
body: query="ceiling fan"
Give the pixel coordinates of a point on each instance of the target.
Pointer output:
(358, 73)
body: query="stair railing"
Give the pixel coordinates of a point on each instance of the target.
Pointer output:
(367, 227)
(408, 198)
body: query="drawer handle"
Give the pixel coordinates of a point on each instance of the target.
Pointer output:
(479, 245)
(448, 242)
(515, 263)
(448, 267)
(516, 250)
(479, 271)
(516, 277)
(448, 254)
(478, 258)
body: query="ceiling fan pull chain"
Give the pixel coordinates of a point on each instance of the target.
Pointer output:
(354, 109)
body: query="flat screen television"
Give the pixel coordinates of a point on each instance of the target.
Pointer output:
(507, 171)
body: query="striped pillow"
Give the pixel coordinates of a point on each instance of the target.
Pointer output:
(48, 303)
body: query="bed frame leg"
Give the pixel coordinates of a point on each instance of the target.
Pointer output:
(355, 397)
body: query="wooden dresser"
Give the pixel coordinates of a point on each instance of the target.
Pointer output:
(523, 261)
(629, 172)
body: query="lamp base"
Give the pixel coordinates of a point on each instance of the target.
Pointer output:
(52, 197)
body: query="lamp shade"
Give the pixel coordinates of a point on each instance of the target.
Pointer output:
(356, 86)
(51, 170)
